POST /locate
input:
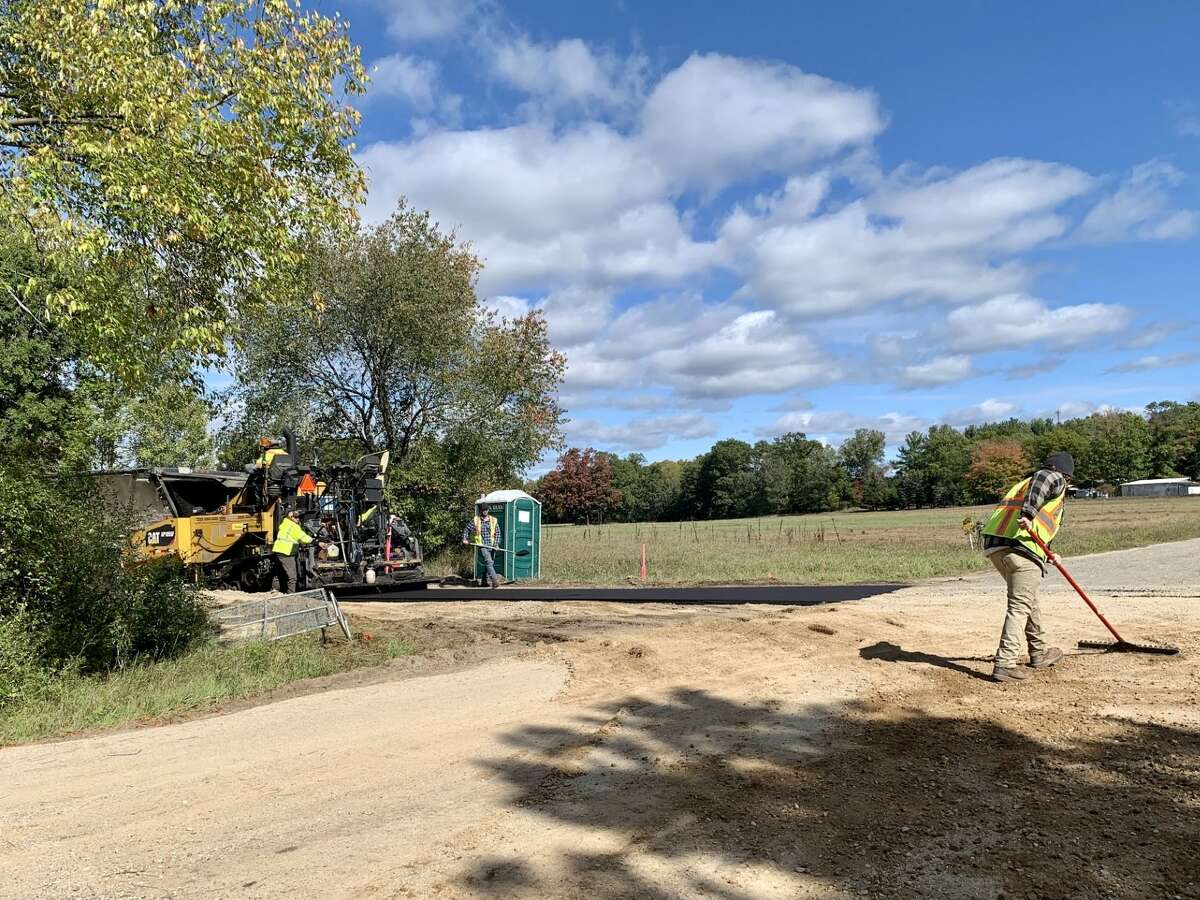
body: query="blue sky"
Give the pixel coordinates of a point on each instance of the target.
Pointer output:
(745, 219)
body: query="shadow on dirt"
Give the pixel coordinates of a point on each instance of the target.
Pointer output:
(890, 652)
(698, 796)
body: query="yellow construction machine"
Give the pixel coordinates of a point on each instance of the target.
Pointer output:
(222, 524)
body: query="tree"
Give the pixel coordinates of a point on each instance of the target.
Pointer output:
(862, 452)
(996, 465)
(1175, 439)
(398, 354)
(861, 456)
(931, 468)
(166, 164)
(1118, 447)
(580, 488)
(727, 481)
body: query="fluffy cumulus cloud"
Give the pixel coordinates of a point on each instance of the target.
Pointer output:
(716, 117)
(722, 228)
(647, 433)
(409, 20)
(940, 370)
(1015, 321)
(407, 77)
(567, 72)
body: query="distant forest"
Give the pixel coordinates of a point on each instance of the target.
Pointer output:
(943, 466)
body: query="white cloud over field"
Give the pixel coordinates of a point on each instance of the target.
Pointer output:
(700, 233)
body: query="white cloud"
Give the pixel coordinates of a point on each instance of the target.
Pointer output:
(1015, 320)
(936, 372)
(409, 78)
(639, 434)
(1140, 209)
(569, 71)
(427, 19)
(935, 237)
(574, 314)
(717, 117)
(701, 351)
(991, 410)
(1153, 363)
(833, 426)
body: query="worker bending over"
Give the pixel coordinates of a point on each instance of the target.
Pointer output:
(484, 533)
(290, 535)
(1032, 506)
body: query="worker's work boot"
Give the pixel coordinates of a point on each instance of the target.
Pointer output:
(1014, 673)
(1045, 659)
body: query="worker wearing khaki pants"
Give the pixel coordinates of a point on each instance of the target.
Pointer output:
(1023, 622)
(1030, 512)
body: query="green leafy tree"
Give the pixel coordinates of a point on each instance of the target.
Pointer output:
(396, 353)
(728, 481)
(1175, 439)
(166, 163)
(1119, 447)
(861, 456)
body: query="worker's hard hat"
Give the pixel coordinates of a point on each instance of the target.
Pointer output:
(1061, 462)
(264, 442)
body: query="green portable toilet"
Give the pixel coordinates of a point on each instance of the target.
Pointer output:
(520, 518)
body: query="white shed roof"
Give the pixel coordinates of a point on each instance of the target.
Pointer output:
(505, 497)
(1160, 481)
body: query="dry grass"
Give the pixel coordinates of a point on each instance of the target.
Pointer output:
(838, 548)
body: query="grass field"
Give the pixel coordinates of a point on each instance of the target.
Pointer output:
(201, 680)
(837, 548)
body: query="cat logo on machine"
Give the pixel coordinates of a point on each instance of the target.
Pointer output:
(162, 536)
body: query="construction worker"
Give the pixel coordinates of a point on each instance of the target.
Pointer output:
(484, 533)
(1032, 506)
(270, 449)
(290, 534)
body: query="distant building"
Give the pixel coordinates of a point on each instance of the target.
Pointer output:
(1161, 487)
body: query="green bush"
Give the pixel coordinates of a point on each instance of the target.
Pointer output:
(71, 593)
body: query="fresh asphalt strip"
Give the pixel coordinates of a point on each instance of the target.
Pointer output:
(773, 594)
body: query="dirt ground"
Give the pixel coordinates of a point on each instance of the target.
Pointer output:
(608, 750)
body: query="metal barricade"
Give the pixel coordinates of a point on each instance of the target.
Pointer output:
(282, 616)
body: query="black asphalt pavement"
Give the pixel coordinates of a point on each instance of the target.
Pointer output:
(775, 594)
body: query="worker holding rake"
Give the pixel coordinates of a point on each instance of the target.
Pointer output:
(1032, 507)
(483, 532)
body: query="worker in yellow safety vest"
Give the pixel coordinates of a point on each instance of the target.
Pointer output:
(1032, 506)
(270, 450)
(484, 534)
(288, 538)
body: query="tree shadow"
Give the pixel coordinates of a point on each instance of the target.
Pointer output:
(700, 796)
(890, 652)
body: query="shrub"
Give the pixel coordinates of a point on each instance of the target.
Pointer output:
(71, 593)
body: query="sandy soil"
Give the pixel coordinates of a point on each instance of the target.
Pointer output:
(606, 750)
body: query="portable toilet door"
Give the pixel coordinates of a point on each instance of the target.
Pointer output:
(525, 527)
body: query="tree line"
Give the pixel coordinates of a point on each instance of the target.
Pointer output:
(943, 466)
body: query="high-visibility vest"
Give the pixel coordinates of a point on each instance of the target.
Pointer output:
(264, 460)
(290, 533)
(1006, 520)
(494, 524)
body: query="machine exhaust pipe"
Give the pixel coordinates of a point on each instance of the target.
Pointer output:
(289, 439)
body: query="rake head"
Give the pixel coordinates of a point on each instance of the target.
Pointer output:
(1127, 647)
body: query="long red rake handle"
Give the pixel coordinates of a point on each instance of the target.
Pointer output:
(1050, 555)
